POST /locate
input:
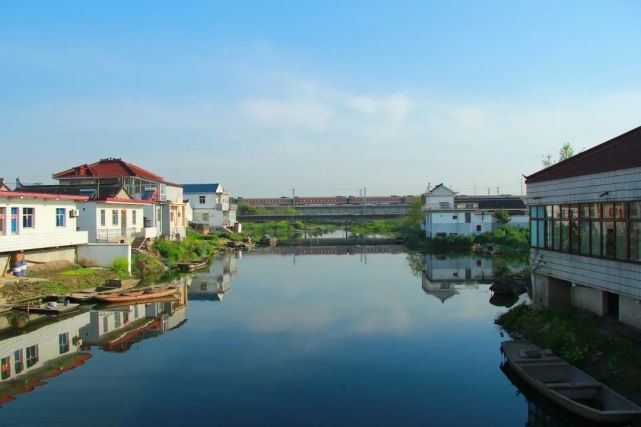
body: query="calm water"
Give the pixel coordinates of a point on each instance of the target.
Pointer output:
(281, 338)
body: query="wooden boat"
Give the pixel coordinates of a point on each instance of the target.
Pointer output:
(5, 308)
(48, 308)
(191, 265)
(566, 385)
(138, 295)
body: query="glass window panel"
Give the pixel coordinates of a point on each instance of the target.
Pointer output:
(622, 240)
(557, 235)
(595, 231)
(533, 212)
(533, 233)
(574, 237)
(585, 238)
(635, 240)
(635, 210)
(574, 212)
(609, 240)
(595, 210)
(619, 210)
(565, 212)
(585, 211)
(549, 241)
(541, 230)
(548, 211)
(556, 211)
(565, 236)
(608, 210)
(540, 211)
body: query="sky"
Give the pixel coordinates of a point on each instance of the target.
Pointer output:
(325, 97)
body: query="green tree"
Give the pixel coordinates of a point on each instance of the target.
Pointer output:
(565, 153)
(414, 214)
(502, 216)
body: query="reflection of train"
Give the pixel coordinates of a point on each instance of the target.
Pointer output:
(327, 200)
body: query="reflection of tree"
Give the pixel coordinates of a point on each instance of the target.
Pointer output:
(415, 263)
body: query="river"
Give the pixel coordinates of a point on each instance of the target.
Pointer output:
(300, 337)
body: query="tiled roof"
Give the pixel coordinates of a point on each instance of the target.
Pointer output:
(622, 152)
(200, 188)
(493, 202)
(100, 191)
(107, 168)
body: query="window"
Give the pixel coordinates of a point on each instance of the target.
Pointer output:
(105, 324)
(103, 217)
(114, 217)
(18, 361)
(28, 220)
(5, 368)
(125, 317)
(478, 227)
(206, 217)
(32, 355)
(454, 216)
(203, 286)
(3, 222)
(60, 217)
(468, 217)
(63, 342)
(133, 217)
(201, 200)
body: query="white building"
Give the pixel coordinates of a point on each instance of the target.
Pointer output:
(210, 205)
(212, 284)
(442, 217)
(42, 225)
(585, 230)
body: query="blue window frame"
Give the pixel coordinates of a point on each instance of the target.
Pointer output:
(60, 217)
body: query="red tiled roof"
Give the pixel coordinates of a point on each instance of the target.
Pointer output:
(621, 152)
(108, 168)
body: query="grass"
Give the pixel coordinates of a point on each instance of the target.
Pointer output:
(578, 337)
(285, 230)
(80, 272)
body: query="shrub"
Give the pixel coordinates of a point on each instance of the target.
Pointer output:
(121, 267)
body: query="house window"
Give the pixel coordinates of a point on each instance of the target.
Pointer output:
(468, 217)
(201, 200)
(60, 217)
(103, 217)
(63, 342)
(18, 361)
(203, 286)
(478, 227)
(114, 217)
(125, 317)
(32, 355)
(28, 217)
(133, 217)
(454, 216)
(206, 217)
(3, 223)
(105, 324)
(5, 368)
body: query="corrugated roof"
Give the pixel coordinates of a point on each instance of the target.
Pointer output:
(107, 168)
(201, 188)
(621, 152)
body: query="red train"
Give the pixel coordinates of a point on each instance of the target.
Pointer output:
(326, 200)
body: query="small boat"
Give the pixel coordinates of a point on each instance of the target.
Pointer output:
(566, 385)
(5, 308)
(51, 307)
(138, 295)
(186, 267)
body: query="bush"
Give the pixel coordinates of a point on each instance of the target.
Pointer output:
(121, 267)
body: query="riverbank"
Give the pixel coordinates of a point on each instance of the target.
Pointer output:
(604, 348)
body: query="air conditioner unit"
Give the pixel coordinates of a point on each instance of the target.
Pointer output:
(73, 213)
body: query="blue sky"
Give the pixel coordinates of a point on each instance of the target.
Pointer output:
(327, 97)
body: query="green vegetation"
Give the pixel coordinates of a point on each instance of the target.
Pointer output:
(509, 239)
(502, 216)
(285, 230)
(195, 245)
(383, 227)
(121, 267)
(80, 272)
(245, 208)
(577, 337)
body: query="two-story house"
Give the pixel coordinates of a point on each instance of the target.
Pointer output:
(585, 229)
(210, 205)
(167, 213)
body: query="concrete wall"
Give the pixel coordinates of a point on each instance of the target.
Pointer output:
(453, 222)
(550, 292)
(588, 299)
(630, 311)
(103, 254)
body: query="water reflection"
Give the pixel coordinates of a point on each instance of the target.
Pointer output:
(35, 347)
(212, 284)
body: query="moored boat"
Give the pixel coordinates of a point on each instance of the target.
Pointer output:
(138, 294)
(566, 385)
(191, 265)
(50, 307)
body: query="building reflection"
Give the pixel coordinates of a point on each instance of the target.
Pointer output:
(34, 348)
(213, 283)
(444, 276)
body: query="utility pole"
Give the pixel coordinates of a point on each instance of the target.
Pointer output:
(497, 190)
(293, 196)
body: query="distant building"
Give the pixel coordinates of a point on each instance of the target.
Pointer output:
(585, 227)
(443, 276)
(447, 214)
(210, 205)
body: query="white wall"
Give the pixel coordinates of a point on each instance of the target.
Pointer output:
(103, 254)
(45, 233)
(453, 222)
(90, 220)
(174, 194)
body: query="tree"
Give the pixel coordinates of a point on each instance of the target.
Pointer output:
(502, 216)
(414, 214)
(565, 153)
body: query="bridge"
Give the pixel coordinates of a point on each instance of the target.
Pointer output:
(331, 213)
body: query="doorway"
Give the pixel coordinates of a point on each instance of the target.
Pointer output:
(612, 305)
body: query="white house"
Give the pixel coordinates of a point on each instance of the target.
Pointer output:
(441, 217)
(210, 205)
(213, 283)
(585, 230)
(44, 226)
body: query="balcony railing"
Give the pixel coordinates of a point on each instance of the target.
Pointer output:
(117, 234)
